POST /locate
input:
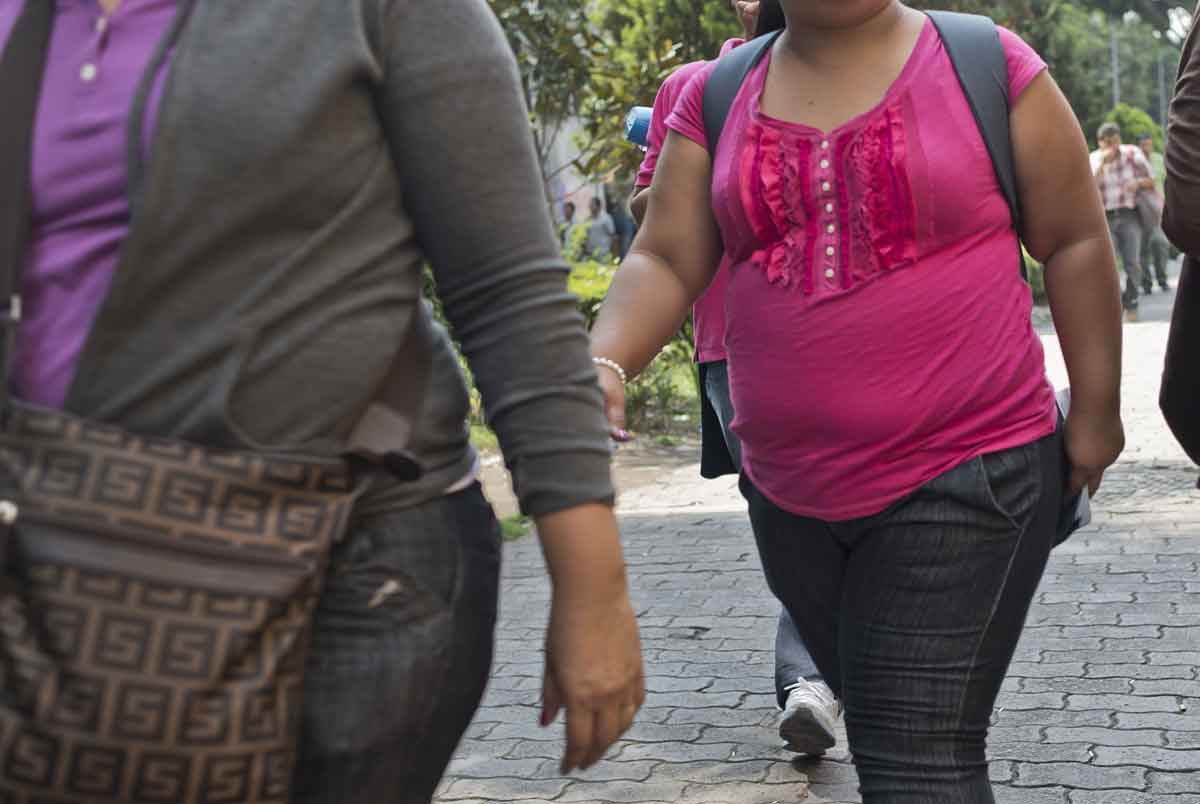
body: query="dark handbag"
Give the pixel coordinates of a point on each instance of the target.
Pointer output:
(1179, 398)
(156, 597)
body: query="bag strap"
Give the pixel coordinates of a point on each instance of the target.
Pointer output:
(724, 83)
(21, 69)
(973, 44)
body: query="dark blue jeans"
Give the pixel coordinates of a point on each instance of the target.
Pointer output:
(401, 652)
(792, 659)
(913, 614)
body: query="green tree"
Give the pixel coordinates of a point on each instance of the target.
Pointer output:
(555, 44)
(645, 40)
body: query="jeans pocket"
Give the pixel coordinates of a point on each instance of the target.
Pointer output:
(1013, 481)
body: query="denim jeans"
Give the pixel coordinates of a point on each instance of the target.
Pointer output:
(401, 651)
(913, 614)
(792, 659)
(1126, 229)
(1155, 252)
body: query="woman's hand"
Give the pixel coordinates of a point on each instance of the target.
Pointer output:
(614, 403)
(1093, 444)
(593, 652)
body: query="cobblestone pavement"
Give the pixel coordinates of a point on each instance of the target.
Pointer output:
(1102, 704)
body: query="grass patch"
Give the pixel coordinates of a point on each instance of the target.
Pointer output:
(516, 527)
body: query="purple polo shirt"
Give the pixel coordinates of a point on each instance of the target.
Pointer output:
(80, 199)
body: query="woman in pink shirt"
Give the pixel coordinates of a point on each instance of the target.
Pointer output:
(902, 456)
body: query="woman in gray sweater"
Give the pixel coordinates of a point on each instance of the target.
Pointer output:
(232, 207)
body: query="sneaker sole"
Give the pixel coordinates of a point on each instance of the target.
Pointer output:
(805, 734)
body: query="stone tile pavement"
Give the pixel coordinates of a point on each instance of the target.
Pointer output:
(1102, 704)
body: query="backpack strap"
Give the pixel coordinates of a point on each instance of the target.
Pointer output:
(973, 44)
(725, 82)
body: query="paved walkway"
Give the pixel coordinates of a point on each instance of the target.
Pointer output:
(1102, 705)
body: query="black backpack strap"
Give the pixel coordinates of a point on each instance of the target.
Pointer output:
(21, 68)
(973, 44)
(725, 82)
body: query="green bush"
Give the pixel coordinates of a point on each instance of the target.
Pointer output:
(662, 399)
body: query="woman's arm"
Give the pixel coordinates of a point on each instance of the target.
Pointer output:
(1181, 213)
(456, 122)
(1064, 227)
(673, 258)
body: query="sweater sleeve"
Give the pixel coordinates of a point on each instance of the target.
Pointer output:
(1181, 213)
(458, 129)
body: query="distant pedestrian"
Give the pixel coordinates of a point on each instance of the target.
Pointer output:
(1180, 396)
(602, 241)
(1156, 251)
(567, 224)
(1121, 172)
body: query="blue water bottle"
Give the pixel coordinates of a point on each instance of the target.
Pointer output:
(637, 125)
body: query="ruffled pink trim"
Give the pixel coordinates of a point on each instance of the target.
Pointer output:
(778, 172)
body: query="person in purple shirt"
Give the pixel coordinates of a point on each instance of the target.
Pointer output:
(232, 205)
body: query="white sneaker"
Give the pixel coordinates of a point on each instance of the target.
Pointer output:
(809, 720)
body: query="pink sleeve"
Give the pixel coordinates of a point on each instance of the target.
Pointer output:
(664, 103)
(1024, 64)
(688, 117)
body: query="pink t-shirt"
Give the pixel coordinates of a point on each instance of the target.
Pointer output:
(708, 314)
(879, 332)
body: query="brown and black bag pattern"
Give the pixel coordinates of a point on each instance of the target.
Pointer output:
(156, 597)
(155, 611)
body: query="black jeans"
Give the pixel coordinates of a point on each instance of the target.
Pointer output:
(401, 652)
(913, 614)
(792, 659)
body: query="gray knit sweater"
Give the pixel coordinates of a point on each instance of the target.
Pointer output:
(310, 156)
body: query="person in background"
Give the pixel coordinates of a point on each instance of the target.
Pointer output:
(624, 225)
(293, 176)
(809, 708)
(602, 241)
(567, 224)
(1156, 251)
(1179, 398)
(903, 457)
(1121, 172)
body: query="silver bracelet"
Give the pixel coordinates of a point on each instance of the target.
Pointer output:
(612, 364)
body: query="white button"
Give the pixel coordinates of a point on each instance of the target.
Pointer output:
(829, 252)
(88, 72)
(829, 273)
(824, 145)
(826, 186)
(831, 228)
(824, 164)
(829, 207)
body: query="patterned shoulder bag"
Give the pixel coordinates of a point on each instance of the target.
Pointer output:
(156, 597)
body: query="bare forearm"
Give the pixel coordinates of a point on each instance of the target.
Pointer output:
(646, 305)
(1084, 293)
(583, 554)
